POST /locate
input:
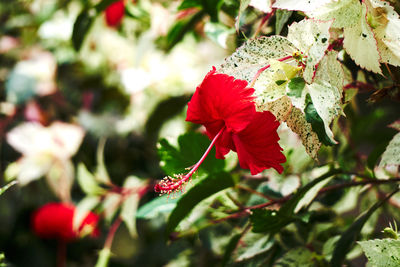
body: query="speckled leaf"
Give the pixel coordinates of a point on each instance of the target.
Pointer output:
(360, 44)
(391, 156)
(382, 253)
(345, 13)
(295, 120)
(298, 124)
(385, 23)
(312, 38)
(255, 54)
(395, 125)
(302, 5)
(326, 90)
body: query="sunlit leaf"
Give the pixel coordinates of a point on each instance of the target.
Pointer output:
(344, 13)
(262, 5)
(130, 204)
(302, 5)
(87, 182)
(7, 186)
(360, 44)
(385, 23)
(391, 156)
(312, 38)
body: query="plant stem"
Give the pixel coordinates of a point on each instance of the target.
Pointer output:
(61, 253)
(246, 211)
(111, 233)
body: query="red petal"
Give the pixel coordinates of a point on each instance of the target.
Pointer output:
(257, 145)
(224, 99)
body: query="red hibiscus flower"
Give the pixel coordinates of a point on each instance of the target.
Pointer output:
(223, 102)
(114, 13)
(55, 220)
(225, 106)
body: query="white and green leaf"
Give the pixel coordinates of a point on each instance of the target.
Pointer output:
(312, 38)
(385, 23)
(391, 156)
(301, 5)
(254, 55)
(360, 43)
(382, 252)
(344, 13)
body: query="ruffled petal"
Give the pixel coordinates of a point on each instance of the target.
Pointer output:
(222, 98)
(257, 145)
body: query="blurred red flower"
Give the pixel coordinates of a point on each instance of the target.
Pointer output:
(223, 101)
(114, 13)
(55, 220)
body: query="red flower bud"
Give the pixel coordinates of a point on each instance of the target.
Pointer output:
(114, 13)
(55, 220)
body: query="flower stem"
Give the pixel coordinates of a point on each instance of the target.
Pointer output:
(264, 68)
(61, 253)
(105, 253)
(169, 184)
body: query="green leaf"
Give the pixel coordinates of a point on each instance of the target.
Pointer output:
(280, 82)
(282, 16)
(270, 221)
(81, 28)
(350, 235)
(192, 145)
(296, 86)
(202, 190)
(382, 253)
(189, 4)
(218, 32)
(156, 207)
(391, 156)
(87, 182)
(101, 174)
(253, 244)
(130, 204)
(230, 248)
(296, 257)
(317, 123)
(7, 186)
(102, 5)
(180, 29)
